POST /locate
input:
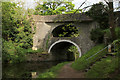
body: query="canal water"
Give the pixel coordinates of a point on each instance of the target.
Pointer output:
(25, 70)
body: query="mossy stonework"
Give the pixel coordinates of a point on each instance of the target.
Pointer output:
(43, 37)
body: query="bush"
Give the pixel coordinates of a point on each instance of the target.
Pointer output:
(30, 51)
(11, 53)
(108, 34)
(117, 30)
(97, 35)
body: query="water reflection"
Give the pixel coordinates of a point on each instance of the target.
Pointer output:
(26, 70)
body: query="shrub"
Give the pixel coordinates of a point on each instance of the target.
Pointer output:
(117, 30)
(108, 34)
(97, 35)
(12, 53)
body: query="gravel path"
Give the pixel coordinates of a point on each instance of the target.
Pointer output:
(68, 72)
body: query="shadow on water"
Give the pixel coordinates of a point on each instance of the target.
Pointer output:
(25, 70)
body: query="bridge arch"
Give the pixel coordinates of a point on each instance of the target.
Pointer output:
(66, 29)
(69, 41)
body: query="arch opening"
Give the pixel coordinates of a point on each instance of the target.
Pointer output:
(60, 50)
(66, 30)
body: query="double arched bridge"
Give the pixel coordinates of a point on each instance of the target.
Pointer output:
(46, 28)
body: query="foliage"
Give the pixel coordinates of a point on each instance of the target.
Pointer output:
(52, 73)
(82, 63)
(47, 41)
(74, 50)
(117, 46)
(15, 26)
(97, 35)
(52, 8)
(107, 66)
(100, 69)
(16, 32)
(104, 68)
(117, 31)
(12, 53)
(98, 13)
(108, 34)
(66, 30)
(30, 51)
(74, 11)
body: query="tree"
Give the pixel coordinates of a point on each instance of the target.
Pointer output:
(111, 18)
(52, 8)
(16, 33)
(15, 26)
(74, 11)
(98, 13)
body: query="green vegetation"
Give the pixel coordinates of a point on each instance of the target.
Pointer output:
(107, 67)
(16, 33)
(17, 37)
(103, 68)
(97, 35)
(82, 63)
(12, 53)
(74, 50)
(96, 11)
(52, 8)
(66, 30)
(30, 51)
(52, 73)
(47, 41)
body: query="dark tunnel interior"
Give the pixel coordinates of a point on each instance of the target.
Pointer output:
(60, 52)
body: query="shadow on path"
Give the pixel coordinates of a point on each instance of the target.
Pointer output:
(68, 72)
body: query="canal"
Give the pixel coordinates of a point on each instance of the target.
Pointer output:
(25, 70)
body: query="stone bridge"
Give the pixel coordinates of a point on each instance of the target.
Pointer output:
(43, 27)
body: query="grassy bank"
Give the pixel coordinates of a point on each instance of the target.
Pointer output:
(82, 63)
(103, 68)
(52, 72)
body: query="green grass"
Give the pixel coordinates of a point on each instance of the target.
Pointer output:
(82, 63)
(52, 72)
(103, 68)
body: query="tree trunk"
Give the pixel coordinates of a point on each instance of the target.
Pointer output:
(111, 20)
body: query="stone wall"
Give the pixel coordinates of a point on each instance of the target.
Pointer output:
(43, 34)
(83, 40)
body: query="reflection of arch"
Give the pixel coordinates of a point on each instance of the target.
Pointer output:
(65, 41)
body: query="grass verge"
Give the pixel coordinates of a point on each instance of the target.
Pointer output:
(52, 72)
(82, 63)
(103, 68)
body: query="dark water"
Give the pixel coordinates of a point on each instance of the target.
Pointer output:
(24, 70)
